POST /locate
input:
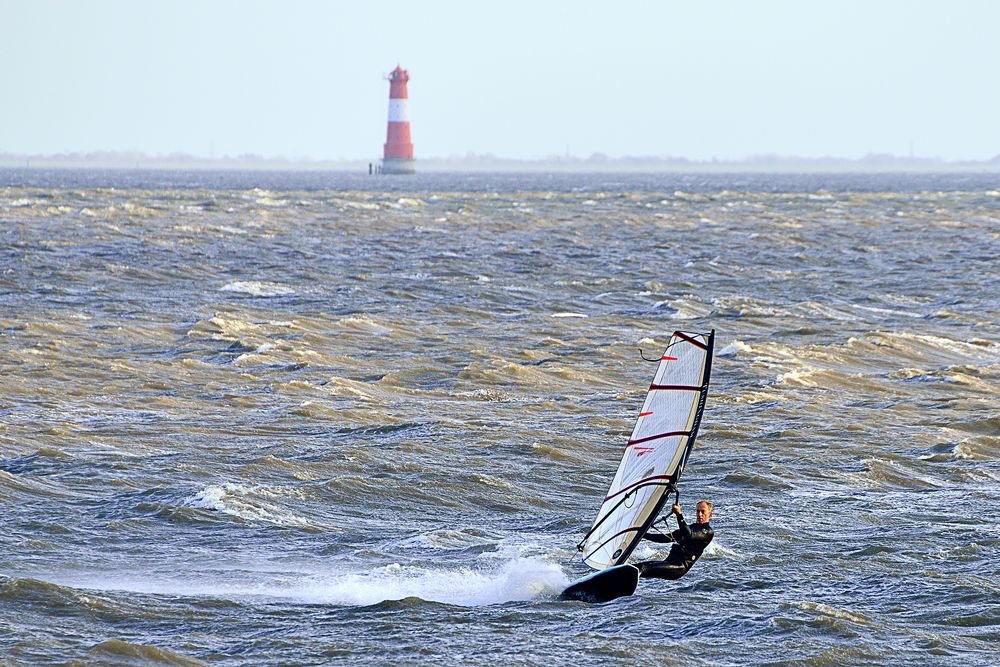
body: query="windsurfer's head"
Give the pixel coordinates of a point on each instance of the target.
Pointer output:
(703, 511)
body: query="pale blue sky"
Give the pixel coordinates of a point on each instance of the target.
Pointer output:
(697, 78)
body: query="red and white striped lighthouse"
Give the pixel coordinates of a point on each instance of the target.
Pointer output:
(398, 156)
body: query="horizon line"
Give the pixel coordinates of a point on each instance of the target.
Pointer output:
(595, 159)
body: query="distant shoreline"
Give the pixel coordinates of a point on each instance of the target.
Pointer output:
(488, 163)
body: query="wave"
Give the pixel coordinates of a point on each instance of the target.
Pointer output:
(831, 613)
(257, 288)
(549, 449)
(13, 485)
(245, 503)
(119, 652)
(988, 426)
(56, 593)
(909, 346)
(365, 324)
(886, 474)
(758, 481)
(825, 378)
(248, 337)
(983, 449)
(447, 538)
(735, 348)
(502, 374)
(227, 327)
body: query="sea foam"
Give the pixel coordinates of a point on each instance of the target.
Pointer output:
(257, 288)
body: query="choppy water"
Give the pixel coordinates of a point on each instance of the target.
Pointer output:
(322, 419)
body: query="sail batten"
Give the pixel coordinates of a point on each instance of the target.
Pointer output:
(656, 451)
(657, 437)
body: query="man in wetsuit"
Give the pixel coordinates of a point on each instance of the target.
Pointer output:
(688, 544)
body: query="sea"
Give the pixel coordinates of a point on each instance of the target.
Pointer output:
(315, 418)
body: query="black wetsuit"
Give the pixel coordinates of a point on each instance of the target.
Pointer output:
(688, 544)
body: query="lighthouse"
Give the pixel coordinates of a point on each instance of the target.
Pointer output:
(398, 156)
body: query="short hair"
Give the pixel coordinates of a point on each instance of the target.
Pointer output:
(707, 502)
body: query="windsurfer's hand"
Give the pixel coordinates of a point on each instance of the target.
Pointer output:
(676, 509)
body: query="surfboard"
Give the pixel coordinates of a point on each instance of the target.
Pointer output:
(604, 586)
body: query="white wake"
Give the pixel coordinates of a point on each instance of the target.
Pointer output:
(522, 578)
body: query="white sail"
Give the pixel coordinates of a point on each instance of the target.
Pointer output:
(655, 455)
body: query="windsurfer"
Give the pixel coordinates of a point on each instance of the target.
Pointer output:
(688, 544)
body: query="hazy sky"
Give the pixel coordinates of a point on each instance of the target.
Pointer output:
(697, 78)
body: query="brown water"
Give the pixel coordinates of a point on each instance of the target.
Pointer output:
(311, 419)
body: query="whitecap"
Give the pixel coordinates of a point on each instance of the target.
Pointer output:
(210, 498)
(363, 205)
(255, 356)
(833, 612)
(257, 288)
(716, 550)
(734, 348)
(243, 503)
(801, 377)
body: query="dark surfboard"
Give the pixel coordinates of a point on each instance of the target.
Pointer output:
(603, 586)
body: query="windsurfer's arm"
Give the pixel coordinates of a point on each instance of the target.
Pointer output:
(682, 532)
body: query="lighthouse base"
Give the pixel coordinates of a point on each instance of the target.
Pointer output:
(392, 165)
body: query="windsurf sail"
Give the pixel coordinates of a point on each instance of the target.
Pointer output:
(656, 453)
